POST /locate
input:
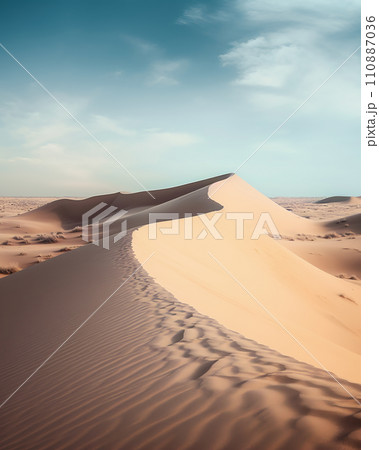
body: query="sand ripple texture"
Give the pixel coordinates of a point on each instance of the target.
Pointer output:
(149, 372)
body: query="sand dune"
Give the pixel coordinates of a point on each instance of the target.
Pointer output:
(148, 371)
(350, 223)
(340, 198)
(337, 250)
(61, 221)
(181, 356)
(69, 212)
(303, 237)
(322, 311)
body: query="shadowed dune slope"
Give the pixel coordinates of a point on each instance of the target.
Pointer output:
(69, 212)
(351, 223)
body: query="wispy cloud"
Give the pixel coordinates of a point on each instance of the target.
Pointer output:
(140, 44)
(106, 124)
(322, 15)
(201, 15)
(166, 72)
(161, 70)
(266, 60)
(116, 74)
(163, 140)
(48, 150)
(293, 47)
(195, 14)
(53, 155)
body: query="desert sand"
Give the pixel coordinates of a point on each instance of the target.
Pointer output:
(24, 243)
(212, 344)
(13, 206)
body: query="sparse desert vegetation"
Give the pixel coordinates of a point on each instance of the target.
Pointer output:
(7, 270)
(46, 238)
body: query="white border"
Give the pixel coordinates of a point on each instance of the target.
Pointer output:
(370, 247)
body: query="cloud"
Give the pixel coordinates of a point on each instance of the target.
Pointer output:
(200, 15)
(141, 45)
(31, 125)
(195, 14)
(293, 47)
(166, 72)
(156, 146)
(45, 149)
(167, 140)
(116, 74)
(162, 71)
(322, 15)
(106, 124)
(266, 60)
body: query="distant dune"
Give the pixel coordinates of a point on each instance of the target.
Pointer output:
(340, 198)
(212, 344)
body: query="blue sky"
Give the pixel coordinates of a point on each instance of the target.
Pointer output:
(178, 91)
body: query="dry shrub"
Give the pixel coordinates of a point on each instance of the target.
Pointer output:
(64, 249)
(46, 239)
(304, 237)
(19, 239)
(7, 270)
(287, 238)
(331, 236)
(347, 277)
